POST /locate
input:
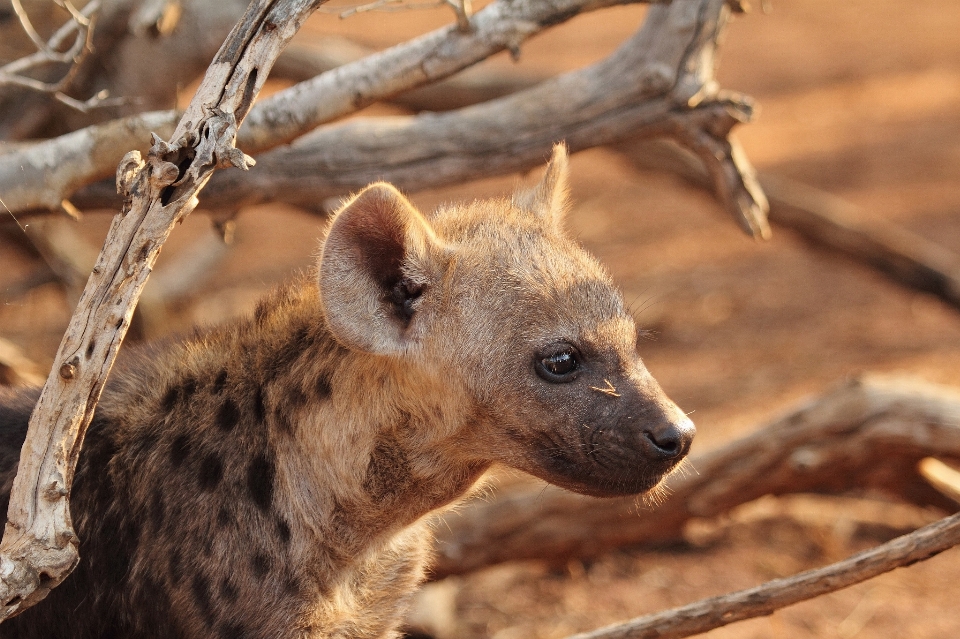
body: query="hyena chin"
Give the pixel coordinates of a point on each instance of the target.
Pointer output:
(270, 477)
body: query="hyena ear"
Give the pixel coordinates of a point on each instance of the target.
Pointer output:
(374, 265)
(549, 197)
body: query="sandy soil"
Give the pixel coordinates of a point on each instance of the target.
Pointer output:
(859, 98)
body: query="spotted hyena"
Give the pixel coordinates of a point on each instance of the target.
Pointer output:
(272, 477)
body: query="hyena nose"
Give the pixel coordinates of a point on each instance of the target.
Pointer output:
(671, 440)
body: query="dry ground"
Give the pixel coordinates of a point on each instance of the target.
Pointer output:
(860, 98)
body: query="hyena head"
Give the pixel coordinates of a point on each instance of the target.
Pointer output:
(513, 322)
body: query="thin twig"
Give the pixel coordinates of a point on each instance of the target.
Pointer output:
(80, 27)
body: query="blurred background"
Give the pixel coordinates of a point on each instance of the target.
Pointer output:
(859, 99)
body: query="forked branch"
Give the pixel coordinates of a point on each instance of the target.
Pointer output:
(54, 51)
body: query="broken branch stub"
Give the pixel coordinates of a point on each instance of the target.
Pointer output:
(39, 547)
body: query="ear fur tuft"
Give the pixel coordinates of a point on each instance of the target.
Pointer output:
(368, 274)
(549, 198)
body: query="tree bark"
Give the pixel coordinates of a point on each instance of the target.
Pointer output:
(39, 547)
(869, 433)
(658, 83)
(42, 175)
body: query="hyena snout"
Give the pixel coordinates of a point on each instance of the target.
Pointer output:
(668, 439)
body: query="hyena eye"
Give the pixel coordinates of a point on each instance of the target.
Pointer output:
(559, 364)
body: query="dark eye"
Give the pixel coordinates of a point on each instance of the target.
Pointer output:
(558, 365)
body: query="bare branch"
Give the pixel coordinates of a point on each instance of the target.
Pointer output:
(39, 547)
(48, 52)
(630, 94)
(708, 614)
(90, 154)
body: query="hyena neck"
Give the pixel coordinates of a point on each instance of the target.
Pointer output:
(345, 447)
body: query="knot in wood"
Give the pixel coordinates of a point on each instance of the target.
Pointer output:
(69, 368)
(55, 491)
(127, 172)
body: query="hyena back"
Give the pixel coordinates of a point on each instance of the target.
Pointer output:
(271, 477)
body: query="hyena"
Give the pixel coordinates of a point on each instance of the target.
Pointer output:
(273, 477)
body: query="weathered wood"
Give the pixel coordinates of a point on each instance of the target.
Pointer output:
(39, 547)
(28, 182)
(869, 433)
(656, 84)
(701, 616)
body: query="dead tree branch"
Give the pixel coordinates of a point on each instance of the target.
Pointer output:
(708, 614)
(51, 52)
(39, 547)
(870, 433)
(28, 182)
(651, 87)
(659, 83)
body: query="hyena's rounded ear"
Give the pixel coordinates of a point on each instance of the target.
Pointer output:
(374, 264)
(549, 198)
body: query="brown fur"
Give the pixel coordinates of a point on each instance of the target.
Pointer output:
(272, 477)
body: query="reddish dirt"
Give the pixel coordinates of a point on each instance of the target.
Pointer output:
(859, 98)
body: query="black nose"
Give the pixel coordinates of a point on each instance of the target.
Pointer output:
(671, 440)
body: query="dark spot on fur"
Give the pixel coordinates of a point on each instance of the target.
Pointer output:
(178, 393)
(227, 590)
(296, 398)
(259, 408)
(322, 387)
(288, 352)
(233, 631)
(189, 388)
(283, 529)
(260, 564)
(224, 517)
(220, 382)
(260, 476)
(228, 415)
(200, 587)
(90, 347)
(169, 399)
(179, 450)
(388, 470)
(175, 565)
(211, 471)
